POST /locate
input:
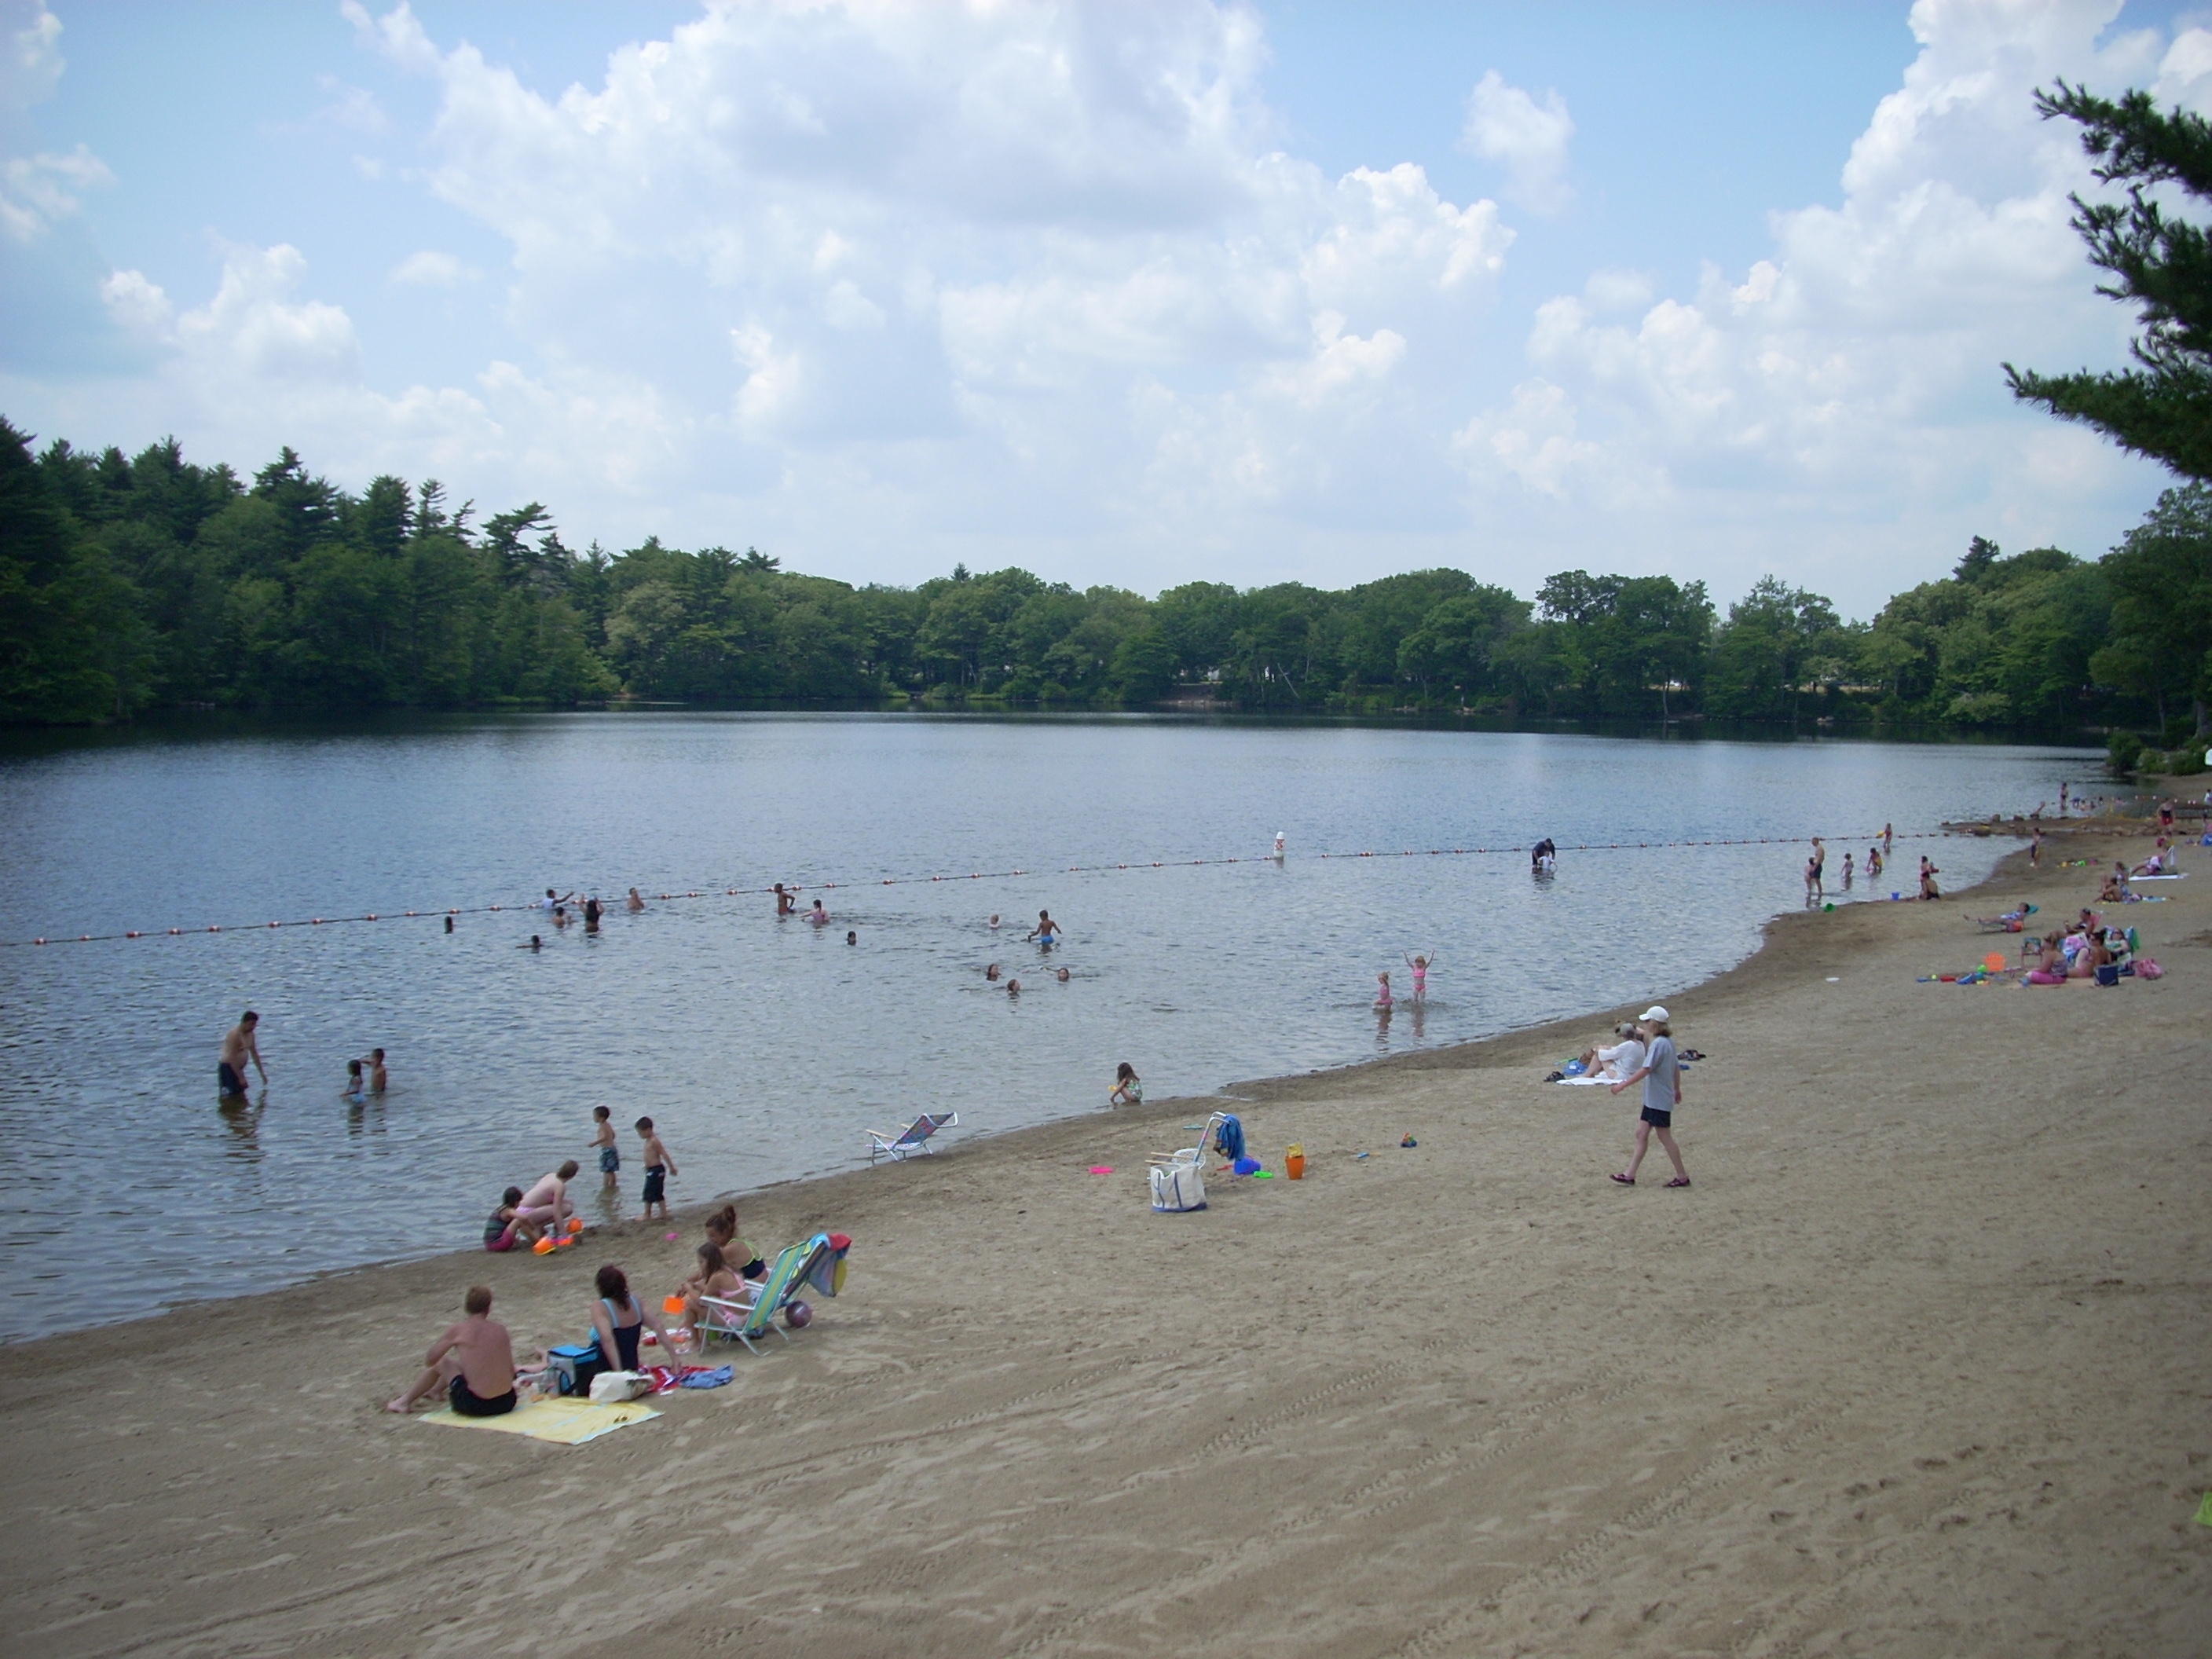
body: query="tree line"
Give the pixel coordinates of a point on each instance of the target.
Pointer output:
(133, 582)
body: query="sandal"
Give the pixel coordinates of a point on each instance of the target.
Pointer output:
(1680, 1181)
(1626, 1180)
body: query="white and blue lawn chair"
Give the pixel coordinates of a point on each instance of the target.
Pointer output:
(915, 1137)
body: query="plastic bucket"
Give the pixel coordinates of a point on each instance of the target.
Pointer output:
(1294, 1161)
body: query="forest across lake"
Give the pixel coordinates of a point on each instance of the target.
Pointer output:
(139, 582)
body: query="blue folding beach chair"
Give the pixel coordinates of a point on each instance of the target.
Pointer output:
(915, 1137)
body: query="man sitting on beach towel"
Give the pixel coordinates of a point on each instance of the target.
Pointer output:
(475, 1361)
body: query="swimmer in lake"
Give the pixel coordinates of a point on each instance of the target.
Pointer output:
(449, 924)
(1060, 974)
(560, 916)
(993, 923)
(354, 1087)
(593, 911)
(379, 1078)
(634, 903)
(852, 938)
(1382, 991)
(818, 916)
(786, 903)
(536, 944)
(992, 972)
(1280, 843)
(1420, 965)
(239, 1046)
(1047, 932)
(1013, 988)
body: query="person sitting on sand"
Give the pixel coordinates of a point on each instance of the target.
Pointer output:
(2046, 963)
(1928, 874)
(2114, 891)
(1128, 1089)
(475, 1361)
(508, 1228)
(619, 1321)
(2159, 863)
(1616, 1062)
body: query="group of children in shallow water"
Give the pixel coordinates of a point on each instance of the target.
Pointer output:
(1420, 965)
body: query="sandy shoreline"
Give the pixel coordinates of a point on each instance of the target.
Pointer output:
(1914, 1367)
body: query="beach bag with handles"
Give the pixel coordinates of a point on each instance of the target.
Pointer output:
(1177, 1186)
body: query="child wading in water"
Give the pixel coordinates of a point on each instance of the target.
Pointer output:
(603, 1142)
(1420, 965)
(659, 1166)
(1663, 1093)
(1383, 990)
(1128, 1090)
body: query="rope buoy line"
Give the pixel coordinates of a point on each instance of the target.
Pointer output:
(916, 881)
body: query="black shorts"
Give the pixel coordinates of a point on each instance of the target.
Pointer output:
(467, 1403)
(228, 1080)
(1657, 1119)
(655, 1184)
(754, 1268)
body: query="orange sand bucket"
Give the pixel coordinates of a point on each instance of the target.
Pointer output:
(544, 1246)
(1294, 1161)
(671, 1304)
(575, 1223)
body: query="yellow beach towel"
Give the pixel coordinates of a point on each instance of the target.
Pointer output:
(564, 1422)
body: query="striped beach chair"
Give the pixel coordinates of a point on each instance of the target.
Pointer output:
(915, 1137)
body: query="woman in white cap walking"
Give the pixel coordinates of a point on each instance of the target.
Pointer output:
(1662, 1078)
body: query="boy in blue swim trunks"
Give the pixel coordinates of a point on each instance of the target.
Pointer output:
(659, 1166)
(603, 1139)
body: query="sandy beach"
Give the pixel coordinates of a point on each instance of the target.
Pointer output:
(1918, 1366)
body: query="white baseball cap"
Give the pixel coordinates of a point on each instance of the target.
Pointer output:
(1655, 1011)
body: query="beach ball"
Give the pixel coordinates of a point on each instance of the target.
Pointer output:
(798, 1315)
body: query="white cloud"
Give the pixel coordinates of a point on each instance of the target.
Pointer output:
(354, 108)
(37, 190)
(996, 260)
(1531, 138)
(1852, 377)
(32, 65)
(256, 367)
(429, 268)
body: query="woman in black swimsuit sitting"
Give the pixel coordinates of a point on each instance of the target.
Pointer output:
(619, 1319)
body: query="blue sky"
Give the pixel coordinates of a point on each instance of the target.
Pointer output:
(1128, 293)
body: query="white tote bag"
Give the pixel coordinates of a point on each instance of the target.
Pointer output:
(618, 1386)
(1178, 1186)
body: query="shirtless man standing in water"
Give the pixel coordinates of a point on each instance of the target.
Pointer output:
(475, 1360)
(238, 1048)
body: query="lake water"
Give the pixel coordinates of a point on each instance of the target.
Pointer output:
(763, 1048)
